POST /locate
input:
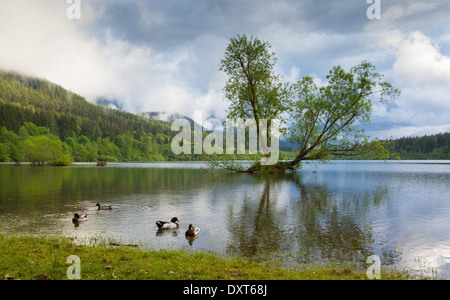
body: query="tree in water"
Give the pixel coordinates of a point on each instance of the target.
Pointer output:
(323, 120)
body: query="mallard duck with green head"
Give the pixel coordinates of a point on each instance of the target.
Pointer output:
(103, 207)
(168, 225)
(192, 231)
(78, 218)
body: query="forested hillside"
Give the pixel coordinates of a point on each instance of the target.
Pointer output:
(31, 107)
(426, 147)
(25, 99)
(42, 123)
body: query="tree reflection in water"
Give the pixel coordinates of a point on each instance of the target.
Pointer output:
(314, 225)
(302, 217)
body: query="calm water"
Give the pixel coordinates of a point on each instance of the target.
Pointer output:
(341, 211)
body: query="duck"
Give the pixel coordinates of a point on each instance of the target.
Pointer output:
(103, 207)
(192, 231)
(77, 218)
(168, 225)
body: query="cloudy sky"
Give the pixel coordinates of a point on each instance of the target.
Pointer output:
(163, 55)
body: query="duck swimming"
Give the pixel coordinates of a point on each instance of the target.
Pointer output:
(77, 218)
(103, 207)
(168, 225)
(192, 231)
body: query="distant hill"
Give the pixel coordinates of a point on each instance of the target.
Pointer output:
(35, 113)
(31, 106)
(426, 147)
(114, 104)
(28, 99)
(170, 117)
(165, 116)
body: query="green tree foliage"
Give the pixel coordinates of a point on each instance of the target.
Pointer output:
(44, 149)
(426, 147)
(330, 120)
(4, 153)
(108, 151)
(325, 121)
(24, 99)
(32, 107)
(34, 144)
(9, 140)
(253, 89)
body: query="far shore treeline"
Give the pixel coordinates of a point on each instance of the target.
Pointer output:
(43, 123)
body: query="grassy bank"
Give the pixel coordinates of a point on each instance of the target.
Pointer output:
(30, 258)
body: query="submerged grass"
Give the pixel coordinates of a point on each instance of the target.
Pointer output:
(30, 258)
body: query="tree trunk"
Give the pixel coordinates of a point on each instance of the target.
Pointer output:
(278, 168)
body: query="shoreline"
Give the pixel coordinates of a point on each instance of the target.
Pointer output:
(33, 258)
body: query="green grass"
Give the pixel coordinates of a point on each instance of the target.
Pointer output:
(30, 258)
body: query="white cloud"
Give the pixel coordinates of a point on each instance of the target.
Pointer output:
(40, 40)
(168, 61)
(410, 131)
(420, 64)
(399, 15)
(397, 12)
(422, 72)
(293, 75)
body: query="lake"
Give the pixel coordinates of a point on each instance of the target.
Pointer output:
(336, 212)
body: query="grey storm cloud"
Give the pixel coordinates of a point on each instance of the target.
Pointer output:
(164, 55)
(167, 23)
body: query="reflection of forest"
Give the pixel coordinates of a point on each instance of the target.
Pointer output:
(313, 226)
(81, 182)
(33, 189)
(298, 219)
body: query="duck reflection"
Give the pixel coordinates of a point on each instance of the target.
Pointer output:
(168, 232)
(191, 239)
